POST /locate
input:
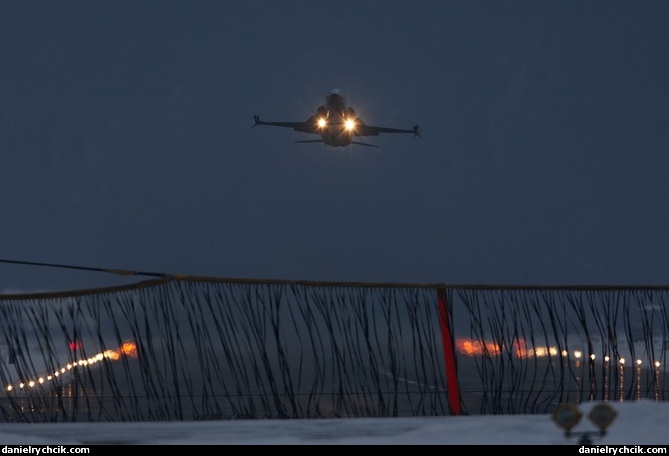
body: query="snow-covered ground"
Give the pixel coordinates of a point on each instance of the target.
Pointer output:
(643, 422)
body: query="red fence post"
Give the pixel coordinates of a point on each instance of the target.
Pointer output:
(449, 354)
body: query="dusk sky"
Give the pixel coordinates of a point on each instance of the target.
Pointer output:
(126, 141)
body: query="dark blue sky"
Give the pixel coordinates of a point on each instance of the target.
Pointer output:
(126, 141)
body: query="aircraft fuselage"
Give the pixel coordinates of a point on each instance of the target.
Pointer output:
(337, 135)
(335, 121)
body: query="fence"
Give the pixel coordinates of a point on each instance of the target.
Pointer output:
(188, 348)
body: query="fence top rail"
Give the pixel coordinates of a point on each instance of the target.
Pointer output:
(324, 284)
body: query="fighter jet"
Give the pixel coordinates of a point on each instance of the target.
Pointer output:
(336, 124)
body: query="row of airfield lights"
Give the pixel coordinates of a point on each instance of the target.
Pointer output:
(128, 348)
(578, 355)
(472, 348)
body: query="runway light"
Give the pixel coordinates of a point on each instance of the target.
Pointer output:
(606, 358)
(577, 354)
(592, 357)
(657, 364)
(638, 362)
(622, 361)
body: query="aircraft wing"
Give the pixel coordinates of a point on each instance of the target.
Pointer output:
(369, 130)
(305, 127)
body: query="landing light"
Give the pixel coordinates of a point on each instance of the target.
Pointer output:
(349, 124)
(321, 122)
